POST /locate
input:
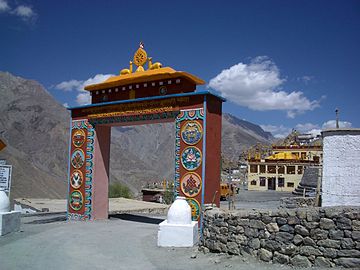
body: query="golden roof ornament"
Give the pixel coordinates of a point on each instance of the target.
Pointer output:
(140, 59)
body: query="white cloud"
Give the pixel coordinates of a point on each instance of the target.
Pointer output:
(332, 124)
(24, 12)
(83, 97)
(69, 85)
(4, 6)
(282, 131)
(277, 131)
(66, 105)
(304, 128)
(257, 85)
(315, 132)
(306, 79)
(307, 128)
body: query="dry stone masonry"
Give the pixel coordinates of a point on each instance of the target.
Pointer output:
(301, 237)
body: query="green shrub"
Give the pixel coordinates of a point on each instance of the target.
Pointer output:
(117, 190)
(169, 195)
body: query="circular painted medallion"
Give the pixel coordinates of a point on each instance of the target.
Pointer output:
(190, 184)
(77, 158)
(195, 208)
(191, 132)
(76, 200)
(162, 90)
(191, 158)
(76, 179)
(78, 137)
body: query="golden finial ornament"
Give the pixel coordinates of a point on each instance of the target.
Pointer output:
(140, 59)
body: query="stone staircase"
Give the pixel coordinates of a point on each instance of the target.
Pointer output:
(308, 182)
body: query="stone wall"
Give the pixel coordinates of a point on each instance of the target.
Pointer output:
(302, 237)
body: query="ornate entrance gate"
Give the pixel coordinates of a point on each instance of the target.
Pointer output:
(159, 94)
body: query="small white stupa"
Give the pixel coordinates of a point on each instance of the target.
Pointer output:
(9, 221)
(178, 230)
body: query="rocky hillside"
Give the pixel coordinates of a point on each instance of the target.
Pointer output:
(35, 128)
(238, 135)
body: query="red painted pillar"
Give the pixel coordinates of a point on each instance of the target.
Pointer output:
(100, 201)
(213, 150)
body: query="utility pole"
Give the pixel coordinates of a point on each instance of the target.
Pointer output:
(337, 117)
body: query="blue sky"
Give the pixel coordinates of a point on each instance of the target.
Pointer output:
(280, 64)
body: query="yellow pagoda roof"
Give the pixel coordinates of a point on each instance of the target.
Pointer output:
(163, 73)
(282, 156)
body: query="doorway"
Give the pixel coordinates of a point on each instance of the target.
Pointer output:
(271, 183)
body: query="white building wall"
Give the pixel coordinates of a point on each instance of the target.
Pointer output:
(341, 167)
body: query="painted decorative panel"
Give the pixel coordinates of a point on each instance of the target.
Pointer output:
(189, 158)
(81, 159)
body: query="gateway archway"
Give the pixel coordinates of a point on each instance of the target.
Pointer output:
(158, 94)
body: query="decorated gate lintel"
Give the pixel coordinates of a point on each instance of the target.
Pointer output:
(197, 118)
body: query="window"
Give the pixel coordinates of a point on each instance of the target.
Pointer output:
(295, 154)
(303, 155)
(290, 184)
(281, 169)
(281, 182)
(253, 168)
(271, 169)
(316, 159)
(300, 170)
(262, 168)
(290, 169)
(262, 181)
(253, 183)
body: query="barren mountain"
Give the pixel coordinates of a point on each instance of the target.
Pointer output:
(35, 128)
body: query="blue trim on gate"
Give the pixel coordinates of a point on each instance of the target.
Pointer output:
(68, 180)
(203, 169)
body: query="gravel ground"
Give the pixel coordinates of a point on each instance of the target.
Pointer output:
(257, 199)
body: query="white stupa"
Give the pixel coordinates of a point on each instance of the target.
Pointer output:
(178, 230)
(9, 220)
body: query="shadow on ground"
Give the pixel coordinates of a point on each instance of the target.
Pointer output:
(136, 218)
(48, 220)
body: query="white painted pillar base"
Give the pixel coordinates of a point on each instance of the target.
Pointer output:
(9, 222)
(178, 235)
(178, 230)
